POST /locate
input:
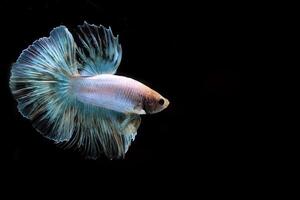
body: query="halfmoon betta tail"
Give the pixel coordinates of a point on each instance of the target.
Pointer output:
(70, 93)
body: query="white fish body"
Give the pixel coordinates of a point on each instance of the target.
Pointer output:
(113, 92)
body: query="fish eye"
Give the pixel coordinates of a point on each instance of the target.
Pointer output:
(161, 102)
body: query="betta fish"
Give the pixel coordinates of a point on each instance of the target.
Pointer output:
(66, 85)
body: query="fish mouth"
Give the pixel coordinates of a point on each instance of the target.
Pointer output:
(167, 102)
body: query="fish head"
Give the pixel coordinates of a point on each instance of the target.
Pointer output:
(154, 103)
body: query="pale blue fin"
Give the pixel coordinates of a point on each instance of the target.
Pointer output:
(101, 52)
(99, 131)
(40, 82)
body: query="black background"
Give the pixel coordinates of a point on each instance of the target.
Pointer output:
(193, 54)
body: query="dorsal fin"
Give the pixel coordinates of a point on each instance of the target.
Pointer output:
(99, 51)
